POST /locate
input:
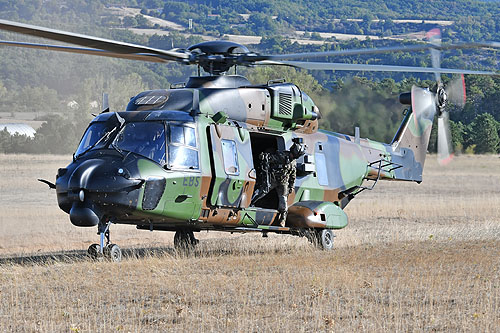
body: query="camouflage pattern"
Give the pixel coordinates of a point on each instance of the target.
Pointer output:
(233, 125)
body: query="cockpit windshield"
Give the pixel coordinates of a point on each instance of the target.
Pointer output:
(93, 134)
(143, 138)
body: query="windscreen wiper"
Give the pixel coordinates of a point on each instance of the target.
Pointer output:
(106, 136)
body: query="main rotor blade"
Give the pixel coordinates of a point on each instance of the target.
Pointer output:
(89, 41)
(407, 48)
(327, 66)
(434, 37)
(81, 50)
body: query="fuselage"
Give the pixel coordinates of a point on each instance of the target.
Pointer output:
(188, 157)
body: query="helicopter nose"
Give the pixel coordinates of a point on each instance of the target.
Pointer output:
(101, 187)
(83, 212)
(83, 174)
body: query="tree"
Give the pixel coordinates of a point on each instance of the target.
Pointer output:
(457, 131)
(142, 22)
(302, 79)
(129, 21)
(484, 134)
(316, 36)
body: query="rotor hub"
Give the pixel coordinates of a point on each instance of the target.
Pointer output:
(441, 99)
(217, 57)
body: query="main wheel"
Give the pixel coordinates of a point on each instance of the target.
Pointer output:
(113, 252)
(325, 239)
(321, 238)
(184, 240)
(94, 251)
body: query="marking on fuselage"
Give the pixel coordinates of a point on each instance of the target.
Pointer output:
(191, 181)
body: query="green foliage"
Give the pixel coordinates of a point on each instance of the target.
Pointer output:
(365, 104)
(458, 133)
(301, 78)
(470, 20)
(129, 21)
(484, 134)
(14, 143)
(57, 135)
(41, 82)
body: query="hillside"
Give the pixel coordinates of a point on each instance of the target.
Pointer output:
(36, 84)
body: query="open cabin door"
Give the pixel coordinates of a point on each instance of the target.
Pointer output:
(233, 171)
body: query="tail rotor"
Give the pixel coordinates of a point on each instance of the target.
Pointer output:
(454, 93)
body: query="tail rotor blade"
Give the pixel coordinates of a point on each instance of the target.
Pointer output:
(423, 105)
(456, 91)
(444, 148)
(445, 151)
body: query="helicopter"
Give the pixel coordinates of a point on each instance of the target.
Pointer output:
(185, 159)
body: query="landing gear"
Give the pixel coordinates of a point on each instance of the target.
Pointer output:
(184, 240)
(321, 238)
(94, 251)
(113, 252)
(109, 251)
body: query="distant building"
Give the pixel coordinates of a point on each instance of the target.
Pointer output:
(19, 128)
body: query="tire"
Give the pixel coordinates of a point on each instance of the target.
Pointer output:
(325, 239)
(113, 253)
(94, 251)
(184, 240)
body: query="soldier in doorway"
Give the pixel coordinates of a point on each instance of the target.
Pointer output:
(277, 170)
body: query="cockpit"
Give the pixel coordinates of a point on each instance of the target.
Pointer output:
(143, 138)
(173, 145)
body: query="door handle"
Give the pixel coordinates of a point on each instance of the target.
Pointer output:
(183, 197)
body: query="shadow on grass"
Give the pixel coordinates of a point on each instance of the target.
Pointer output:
(213, 248)
(81, 255)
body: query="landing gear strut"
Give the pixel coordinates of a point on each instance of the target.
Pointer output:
(102, 250)
(184, 240)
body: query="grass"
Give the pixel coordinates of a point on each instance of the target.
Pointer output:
(414, 258)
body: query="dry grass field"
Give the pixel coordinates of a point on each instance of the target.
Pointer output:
(413, 258)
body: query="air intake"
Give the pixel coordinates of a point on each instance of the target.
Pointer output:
(285, 107)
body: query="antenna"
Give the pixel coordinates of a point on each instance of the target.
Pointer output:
(105, 103)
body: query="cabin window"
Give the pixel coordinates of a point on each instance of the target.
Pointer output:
(182, 147)
(321, 171)
(230, 157)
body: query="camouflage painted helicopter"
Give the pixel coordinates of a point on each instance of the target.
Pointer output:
(184, 159)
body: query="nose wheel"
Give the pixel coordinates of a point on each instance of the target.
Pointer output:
(105, 249)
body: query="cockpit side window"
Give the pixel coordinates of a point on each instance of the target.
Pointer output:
(182, 147)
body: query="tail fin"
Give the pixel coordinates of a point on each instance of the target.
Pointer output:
(410, 143)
